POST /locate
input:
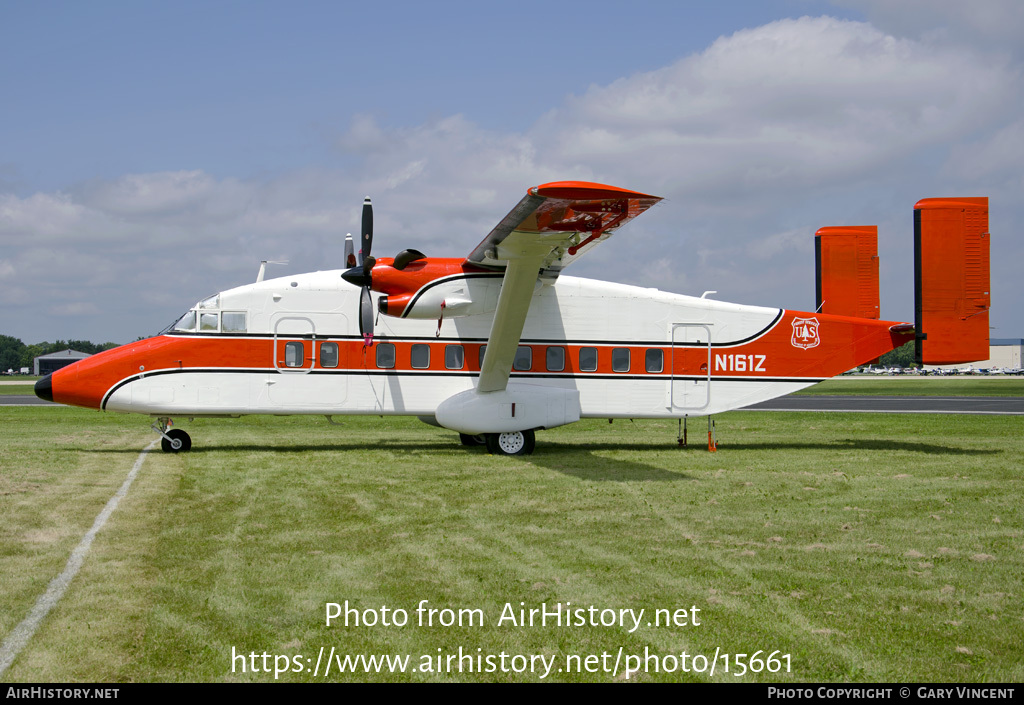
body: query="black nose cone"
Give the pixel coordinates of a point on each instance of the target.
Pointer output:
(44, 388)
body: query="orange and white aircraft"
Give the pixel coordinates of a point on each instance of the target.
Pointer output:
(558, 348)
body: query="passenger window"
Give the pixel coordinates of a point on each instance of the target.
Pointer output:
(555, 361)
(524, 358)
(454, 357)
(654, 360)
(328, 354)
(588, 359)
(232, 321)
(420, 356)
(208, 321)
(385, 355)
(293, 354)
(620, 359)
(480, 356)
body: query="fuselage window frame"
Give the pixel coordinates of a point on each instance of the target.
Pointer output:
(620, 360)
(554, 358)
(419, 356)
(588, 359)
(294, 354)
(454, 357)
(654, 360)
(523, 361)
(385, 356)
(328, 355)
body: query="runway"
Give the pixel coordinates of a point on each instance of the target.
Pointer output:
(24, 400)
(894, 404)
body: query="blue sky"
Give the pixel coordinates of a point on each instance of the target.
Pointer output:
(152, 153)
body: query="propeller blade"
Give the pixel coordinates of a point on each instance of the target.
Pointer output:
(366, 239)
(366, 315)
(350, 252)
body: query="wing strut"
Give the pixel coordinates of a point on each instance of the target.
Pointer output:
(509, 319)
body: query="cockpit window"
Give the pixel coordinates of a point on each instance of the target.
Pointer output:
(208, 321)
(232, 321)
(186, 322)
(211, 302)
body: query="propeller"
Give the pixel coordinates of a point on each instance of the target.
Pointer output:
(361, 275)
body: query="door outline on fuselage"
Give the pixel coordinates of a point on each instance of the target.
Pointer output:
(298, 329)
(685, 392)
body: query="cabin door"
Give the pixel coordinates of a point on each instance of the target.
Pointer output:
(311, 368)
(690, 386)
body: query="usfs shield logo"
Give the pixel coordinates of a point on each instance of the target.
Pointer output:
(805, 333)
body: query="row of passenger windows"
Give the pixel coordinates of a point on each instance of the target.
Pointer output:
(554, 358)
(455, 357)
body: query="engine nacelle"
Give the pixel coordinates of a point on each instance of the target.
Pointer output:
(447, 298)
(519, 407)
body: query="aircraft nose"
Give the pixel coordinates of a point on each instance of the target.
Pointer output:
(44, 388)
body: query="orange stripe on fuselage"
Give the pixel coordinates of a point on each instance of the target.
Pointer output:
(836, 344)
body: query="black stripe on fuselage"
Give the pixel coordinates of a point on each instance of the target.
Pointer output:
(622, 376)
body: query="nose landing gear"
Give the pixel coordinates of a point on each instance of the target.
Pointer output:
(174, 440)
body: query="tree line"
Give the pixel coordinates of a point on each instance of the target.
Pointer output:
(14, 354)
(902, 356)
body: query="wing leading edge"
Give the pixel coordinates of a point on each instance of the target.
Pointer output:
(548, 229)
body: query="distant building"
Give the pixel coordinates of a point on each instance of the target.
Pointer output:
(47, 364)
(1002, 352)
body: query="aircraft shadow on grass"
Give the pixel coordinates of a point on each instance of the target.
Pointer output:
(580, 461)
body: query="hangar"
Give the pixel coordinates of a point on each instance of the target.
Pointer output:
(46, 364)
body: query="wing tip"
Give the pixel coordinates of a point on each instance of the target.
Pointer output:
(585, 191)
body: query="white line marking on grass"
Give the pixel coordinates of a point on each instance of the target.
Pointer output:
(21, 634)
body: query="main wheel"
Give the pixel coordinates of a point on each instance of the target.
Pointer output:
(179, 442)
(511, 443)
(468, 440)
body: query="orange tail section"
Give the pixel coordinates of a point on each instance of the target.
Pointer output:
(951, 280)
(846, 264)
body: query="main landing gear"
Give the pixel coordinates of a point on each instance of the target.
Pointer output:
(511, 443)
(173, 440)
(508, 443)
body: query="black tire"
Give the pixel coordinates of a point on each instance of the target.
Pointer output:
(468, 440)
(512, 443)
(177, 438)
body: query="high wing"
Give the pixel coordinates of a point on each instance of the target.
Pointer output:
(549, 229)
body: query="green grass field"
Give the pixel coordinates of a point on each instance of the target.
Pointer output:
(17, 389)
(867, 547)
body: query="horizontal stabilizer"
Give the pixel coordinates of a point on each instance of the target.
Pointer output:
(846, 264)
(951, 280)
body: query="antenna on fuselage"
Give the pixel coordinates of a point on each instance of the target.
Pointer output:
(263, 267)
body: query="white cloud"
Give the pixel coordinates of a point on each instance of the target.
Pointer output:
(755, 142)
(785, 105)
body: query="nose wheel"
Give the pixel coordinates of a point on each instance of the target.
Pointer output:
(173, 440)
